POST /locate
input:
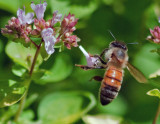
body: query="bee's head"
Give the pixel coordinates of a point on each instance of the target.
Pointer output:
(118, 44)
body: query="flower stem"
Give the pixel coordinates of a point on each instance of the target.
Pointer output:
(157, 114)
(34, 60)
(21, 105)
(22, 102)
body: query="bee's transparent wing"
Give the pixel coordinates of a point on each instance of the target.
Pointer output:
(136, 73)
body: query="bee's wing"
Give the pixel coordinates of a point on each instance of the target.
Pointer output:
(136, 73)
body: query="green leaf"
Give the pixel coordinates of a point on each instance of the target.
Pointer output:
(81, 8)
(154, 92)
(11, 111)
(11, 91)
(18, 70)
(43, 53)
(36, 40)
(22, 55)
(60, 70)
(154, 78)
(38, 74)
(155, 81)
(64, 107)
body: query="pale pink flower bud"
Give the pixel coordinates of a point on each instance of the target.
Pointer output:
(155, 35)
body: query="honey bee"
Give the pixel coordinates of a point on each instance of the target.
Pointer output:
(115, 60)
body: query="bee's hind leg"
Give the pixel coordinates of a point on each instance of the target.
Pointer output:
(97, 78)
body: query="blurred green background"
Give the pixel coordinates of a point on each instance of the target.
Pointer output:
(69, 94)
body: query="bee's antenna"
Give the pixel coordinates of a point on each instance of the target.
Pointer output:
(112, 34)
(133, 43)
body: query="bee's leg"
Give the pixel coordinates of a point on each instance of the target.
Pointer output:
(85, 67)
(97, 78)
(102, 61)
(103, 52)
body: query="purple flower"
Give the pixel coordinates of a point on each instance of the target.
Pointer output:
(49, 40)
(56, 18)
(91, 61)
(159, 19)
(24, 19)
(39, 9)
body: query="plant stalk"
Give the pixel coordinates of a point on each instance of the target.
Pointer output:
(22, 102)
(34, 60)
(157, 114)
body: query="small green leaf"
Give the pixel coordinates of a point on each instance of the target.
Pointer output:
(155, 81)
(11, 91)
(154, 78)
(58, 24)
(154, 92)
(64, 107)
(43, 53)
(22, 55)
(38, 74)
(18, 70)
(36, 40)
(57, 46)
(155, 74)
(61, 69)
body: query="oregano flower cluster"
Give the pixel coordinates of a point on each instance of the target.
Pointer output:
(53, 31)
(155, 34)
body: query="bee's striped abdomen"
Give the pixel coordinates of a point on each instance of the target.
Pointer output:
(111, 84)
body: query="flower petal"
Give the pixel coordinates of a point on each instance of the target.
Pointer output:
(47, 32)
(84, 51)
(91, 61)
(29, 17)
(23, 19)
(21, 16)
(49, 42)
(33, 6)
(56, 18)
(39, 9)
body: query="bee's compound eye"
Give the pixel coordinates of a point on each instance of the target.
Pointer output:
(119, 45)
